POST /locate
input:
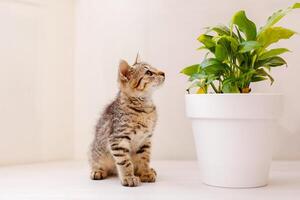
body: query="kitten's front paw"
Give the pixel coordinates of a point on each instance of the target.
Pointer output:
(130, 181)
(149, 176)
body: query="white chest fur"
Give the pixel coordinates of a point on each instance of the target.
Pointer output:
(138, 140)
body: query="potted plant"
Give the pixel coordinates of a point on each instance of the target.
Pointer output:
(233, 127)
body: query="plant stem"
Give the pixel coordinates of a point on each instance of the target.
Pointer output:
(214, 87)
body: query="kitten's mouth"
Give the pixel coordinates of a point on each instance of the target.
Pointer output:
(162, 78)
(160, 83)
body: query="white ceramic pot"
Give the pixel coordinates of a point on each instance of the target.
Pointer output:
(233, 136)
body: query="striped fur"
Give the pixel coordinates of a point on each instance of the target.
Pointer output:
(122, 140)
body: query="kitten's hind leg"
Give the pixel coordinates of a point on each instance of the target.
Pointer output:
(100, 167)
(98, 174)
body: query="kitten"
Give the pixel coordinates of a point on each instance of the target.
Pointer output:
(122, 140)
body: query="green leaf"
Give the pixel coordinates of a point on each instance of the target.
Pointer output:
(222, 30)
(206, 40)
(202, 48)
(230, 86)
(275, 61)
(258, 78)
(211, 78)
(249, 46)
(241, 39)
(190, 70)
(245, 25)
(274, 34)
(221, 52)
(262, 72)
(214, 66)
(230, 43)
(277, 16)
(272, 52)
(244, 79)
(210, 62)
(198, 76)
(296, 5)
(272, 62)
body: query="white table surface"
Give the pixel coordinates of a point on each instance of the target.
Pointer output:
(176, 180)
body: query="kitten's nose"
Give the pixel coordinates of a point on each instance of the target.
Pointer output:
(161, 73)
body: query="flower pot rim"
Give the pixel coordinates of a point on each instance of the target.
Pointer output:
(237, 94)
(234, 106)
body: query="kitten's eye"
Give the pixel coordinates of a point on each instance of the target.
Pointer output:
(148, 72)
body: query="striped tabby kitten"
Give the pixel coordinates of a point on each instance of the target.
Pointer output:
(123, 134)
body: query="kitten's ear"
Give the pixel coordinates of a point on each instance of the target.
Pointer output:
(137, 59)
(124, 70)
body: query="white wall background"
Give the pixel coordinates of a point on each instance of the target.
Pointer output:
(36, 80)
(165, 33)
(50, 99)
